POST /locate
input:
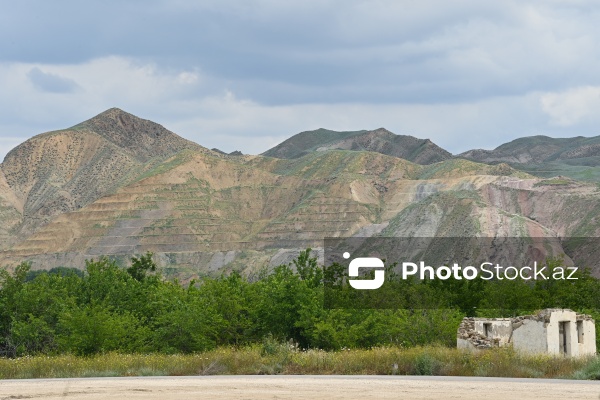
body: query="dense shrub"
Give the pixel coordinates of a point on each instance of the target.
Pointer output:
(134, 310)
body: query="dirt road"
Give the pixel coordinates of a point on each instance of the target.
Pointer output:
(298, 387)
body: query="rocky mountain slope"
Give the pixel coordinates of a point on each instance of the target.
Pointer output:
(538, 149)
(11, 212)
(118, 185)
(577, 157)
(200, 212)
(62, 171)
(420, 151)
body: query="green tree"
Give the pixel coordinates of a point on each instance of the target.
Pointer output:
(94, 329)
(141, 266)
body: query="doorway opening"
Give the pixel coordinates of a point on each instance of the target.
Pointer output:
(564, 337)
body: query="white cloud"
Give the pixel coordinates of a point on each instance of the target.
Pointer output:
(204, 109)
(26, 109)
(231, 124)
(572, 106)
(246, 75)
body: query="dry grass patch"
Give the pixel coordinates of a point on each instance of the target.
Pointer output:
(285, 359)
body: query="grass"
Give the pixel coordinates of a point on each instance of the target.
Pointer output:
(457, 167)
(553, 182)
(275, 358)
(164, 166)
(589, 173)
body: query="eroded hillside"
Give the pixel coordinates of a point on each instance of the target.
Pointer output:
(62, 171)
(92, 191)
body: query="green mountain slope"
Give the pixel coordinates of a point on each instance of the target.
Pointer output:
(420, 151)
(577, 157)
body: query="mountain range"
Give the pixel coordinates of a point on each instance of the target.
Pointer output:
(118, 185)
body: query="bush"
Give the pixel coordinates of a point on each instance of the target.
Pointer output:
(94, 329)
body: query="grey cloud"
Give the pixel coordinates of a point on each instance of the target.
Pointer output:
(52, 83)
(478, 68)
(328, 51)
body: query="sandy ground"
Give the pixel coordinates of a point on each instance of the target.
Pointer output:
(299, 387)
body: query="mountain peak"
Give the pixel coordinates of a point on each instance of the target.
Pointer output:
(143, 138)
(113, 114)
(539, 149)
(382, 130)
(61, 171)
(381, 140)
(113, 110)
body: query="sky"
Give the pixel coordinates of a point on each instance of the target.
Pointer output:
(246, 75)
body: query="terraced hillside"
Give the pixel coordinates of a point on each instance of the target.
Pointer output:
(203, 212)
(65, 170)
(11, 212)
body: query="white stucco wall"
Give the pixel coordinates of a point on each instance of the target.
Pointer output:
(554, 344)
(537, 334)
(588, 347)
(530, 337)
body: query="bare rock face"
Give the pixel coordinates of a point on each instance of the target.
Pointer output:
(141, 138)
(10, 213)
(591, 150)
(62, 171)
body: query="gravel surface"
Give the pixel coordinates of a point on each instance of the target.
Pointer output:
(299, 387)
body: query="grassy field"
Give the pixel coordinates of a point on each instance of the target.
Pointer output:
(275, 358)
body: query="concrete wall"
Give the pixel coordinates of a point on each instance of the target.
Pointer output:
(554, 345)
(588, 347)
(529, 336)
(500, 328)
(537, 334)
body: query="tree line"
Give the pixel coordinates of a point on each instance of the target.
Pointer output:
(135, 309)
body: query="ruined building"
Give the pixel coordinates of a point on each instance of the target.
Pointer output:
(551, 331)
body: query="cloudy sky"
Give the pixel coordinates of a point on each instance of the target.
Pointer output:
(245, 75)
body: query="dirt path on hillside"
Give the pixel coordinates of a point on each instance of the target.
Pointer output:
(298, 387)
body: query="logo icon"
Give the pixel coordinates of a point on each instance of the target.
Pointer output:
(365, 262)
